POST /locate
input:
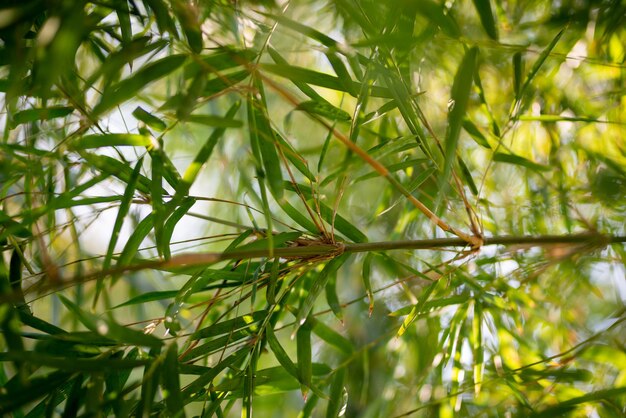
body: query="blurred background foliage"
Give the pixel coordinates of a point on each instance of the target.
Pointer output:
(137, 130)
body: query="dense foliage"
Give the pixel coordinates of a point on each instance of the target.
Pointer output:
(361, 208)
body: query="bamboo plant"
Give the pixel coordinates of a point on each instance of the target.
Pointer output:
(317, 208)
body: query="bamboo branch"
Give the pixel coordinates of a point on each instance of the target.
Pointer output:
(324, 251)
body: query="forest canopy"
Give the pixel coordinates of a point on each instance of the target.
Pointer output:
(318, 208)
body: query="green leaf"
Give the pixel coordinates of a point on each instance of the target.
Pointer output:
(123, 16)
(467, 176)
(475, 133)
(280, 353)
(483, 7)
(231, 325)
(117, 169)
(211, 120)
(325, 109)
(164, 21)
(459, 100)
(568, 405)
(318, 285)
(539, 62)
(438, 16)
(35, 388)
(367, 268)
(149, 119)
(304, 75)
(121, 214)
(205, 152)
(170, 381)
(112, 140)
(338, 399)
(109, 328)
(218, 344)
(332, 337)
(71, 363)
(518, 160)
(148, 297)
(518, 69)
(134, 241)
(303, 347)
(131, 86)
(263, 140)
(222, 58)
(172, 221)
(332, 298)
(150, 384)
(205, 379)
(417, 308)
(32, 115)
(188, 18)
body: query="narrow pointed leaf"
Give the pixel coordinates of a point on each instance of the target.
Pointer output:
(519, 160)
(318, 285)
(459, 101)
(483, 7)
(112, 140)
(305, 367)
(131, 86)
(149, 119)
(171, 383)
(337, 402)
(32, 115)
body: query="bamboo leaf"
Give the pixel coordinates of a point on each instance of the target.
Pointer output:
(518, 69)
(171, 383)
(483, 7)
(305, 367)
(134, 241)
(304, 75)
(131, 86)
(72, 364)
(280, 354)
(459, 101)
(332, 337)
(367, 269)
(112, 140)
(162, 15)
(211, 120)
(263, 137)
(109, 328)
(32, 115)
(34, 389)
(519, 160)
(223, 327)
(150, 384)
(467, 176)
(205, 152)
(539, 62)
(338, 396)
(570, 404)
(316, 288)
(417, 308)
(436, 13)
(332, 298)
(121, 213)
(325, 109)
(188, 19)
(123, 16)
(205, 379)
(170, 224)
(117, 169)
(149, 119)
(148, 297)
(475, 133)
